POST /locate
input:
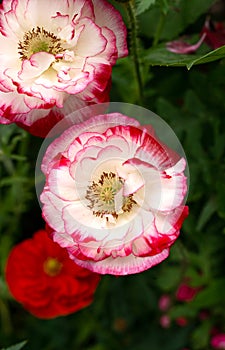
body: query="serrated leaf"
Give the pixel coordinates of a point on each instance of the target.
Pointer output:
(160, 56)
(16, 347)
(144, 5)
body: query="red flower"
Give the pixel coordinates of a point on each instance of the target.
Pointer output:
(214, 34)
(186, 292)
(45, 281)
(181, 321)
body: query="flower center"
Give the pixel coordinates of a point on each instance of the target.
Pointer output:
(39, 40)
(106, 196)
(52, 266)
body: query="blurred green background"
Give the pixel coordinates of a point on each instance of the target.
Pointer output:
(125, 312)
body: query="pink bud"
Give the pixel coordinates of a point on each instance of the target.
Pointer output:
(203, 315)
(186, 292)
(164, 302)
(182, 47)
(165, 321)
(181, 321)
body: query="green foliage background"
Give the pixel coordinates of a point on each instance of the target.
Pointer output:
(188, 92)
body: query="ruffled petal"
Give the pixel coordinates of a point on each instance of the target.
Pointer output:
(91, 41)
(113, 21)
(122, 265)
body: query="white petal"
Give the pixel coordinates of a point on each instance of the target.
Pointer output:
(52, 210)
(91, 42)
(62, 184)
(123, 266)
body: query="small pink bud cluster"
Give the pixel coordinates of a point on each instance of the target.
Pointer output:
(184, 293)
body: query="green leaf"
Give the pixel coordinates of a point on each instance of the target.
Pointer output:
(169, 278)
(164, 5)
(220, 199)
(182, 311)
(208, 210)
(191, 10)
(179, 14)
(200, 336)
(210, 296)
(16, 347)
(160, 56)
(144, 5)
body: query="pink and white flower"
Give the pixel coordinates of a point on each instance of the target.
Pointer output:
(55, 54)
(114, 194)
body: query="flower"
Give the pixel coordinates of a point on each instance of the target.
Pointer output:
(113, 194)
(56, 56)
(181, 321)
(218, 341)
(165, 321)
(42, 277)
(164, 302)
(182, 47)
(214, 34)
(186, 293)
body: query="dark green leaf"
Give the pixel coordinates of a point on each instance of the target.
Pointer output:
(169, 278)
(16, 347)
(211, 295)
(182, 311)
(160, 56)
(208, 210)
(178, 15)
(200, 335)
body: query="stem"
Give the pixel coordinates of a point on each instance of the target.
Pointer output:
(159, 29)
(5, 318)
(134, 45)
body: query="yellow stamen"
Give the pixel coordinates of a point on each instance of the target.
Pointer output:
(101, 196)
(39, 40)
(52, 266)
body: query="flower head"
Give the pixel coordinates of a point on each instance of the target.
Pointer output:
(165, 321)
(214, 34)
(186, 293)
(42, 277)
(218, 341)
(113, 195)
(164, 302)
(55, 54)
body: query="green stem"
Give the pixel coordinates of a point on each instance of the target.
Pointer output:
(8, 163)
(5, 318)
(159, 29)
(134, 45)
